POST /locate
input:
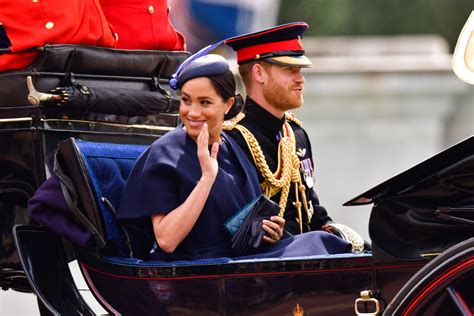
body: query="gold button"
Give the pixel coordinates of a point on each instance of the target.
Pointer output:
(49, 25)
(151, 9)
(35, 0)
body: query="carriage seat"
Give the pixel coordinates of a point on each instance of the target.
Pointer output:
(97, 173)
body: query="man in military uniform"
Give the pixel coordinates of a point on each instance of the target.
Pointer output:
(270, 64)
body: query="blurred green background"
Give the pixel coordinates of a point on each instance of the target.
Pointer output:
(379, 17)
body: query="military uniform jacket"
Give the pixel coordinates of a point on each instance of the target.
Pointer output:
(266, 127)
(143, 24)
(30, 24)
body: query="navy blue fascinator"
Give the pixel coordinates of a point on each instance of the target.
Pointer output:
(200, 64)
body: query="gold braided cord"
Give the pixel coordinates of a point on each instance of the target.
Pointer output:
(228, 125)
(298, 207)
(287, 168)
(292, 118)
(281, 179)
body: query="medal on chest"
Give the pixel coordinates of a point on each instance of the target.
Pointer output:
(308, 171)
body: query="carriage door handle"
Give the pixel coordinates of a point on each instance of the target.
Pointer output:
(367, 298)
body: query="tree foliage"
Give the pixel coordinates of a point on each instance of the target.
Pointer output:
(379, 17)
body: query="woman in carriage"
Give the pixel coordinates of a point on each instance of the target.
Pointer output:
(191, 193)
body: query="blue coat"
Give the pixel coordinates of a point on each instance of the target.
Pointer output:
(164, 176)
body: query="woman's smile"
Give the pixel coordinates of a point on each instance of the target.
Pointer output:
(195, 123)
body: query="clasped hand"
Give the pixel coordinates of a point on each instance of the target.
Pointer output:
(273, 229)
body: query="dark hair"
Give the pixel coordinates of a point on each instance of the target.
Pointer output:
(225, 87)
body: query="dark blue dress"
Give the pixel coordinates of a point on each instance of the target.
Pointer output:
(165, 175)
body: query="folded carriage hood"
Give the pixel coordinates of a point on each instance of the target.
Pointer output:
(416, 173)
(425, 209)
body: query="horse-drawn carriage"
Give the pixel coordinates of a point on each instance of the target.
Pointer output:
(87, 113)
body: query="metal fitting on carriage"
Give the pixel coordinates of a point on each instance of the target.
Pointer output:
(35, 97)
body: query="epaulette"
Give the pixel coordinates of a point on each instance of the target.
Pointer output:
(292, 118)
(229, 125)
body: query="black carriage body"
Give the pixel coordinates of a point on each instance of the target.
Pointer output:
(29, 134)
(329, 285)
(26, 160)
(319, 286)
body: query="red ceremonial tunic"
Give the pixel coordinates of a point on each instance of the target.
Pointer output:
(33, 23)
(143, 24)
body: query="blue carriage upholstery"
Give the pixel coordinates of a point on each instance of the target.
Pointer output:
(99, 172)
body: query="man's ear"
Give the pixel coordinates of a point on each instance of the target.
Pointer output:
(259, 73)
